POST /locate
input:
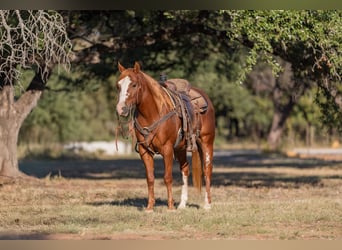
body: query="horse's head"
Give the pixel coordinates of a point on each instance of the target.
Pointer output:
(128, 87)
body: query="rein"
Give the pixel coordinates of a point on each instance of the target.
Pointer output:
(122, 128)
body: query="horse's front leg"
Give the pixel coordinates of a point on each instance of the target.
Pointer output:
(149, 167)
(168, 163)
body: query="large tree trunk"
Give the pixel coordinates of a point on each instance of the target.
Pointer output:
(9, 129)
(12, 116)
(285, 95)
(280, 116)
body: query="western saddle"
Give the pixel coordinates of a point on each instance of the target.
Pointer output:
(190, 103)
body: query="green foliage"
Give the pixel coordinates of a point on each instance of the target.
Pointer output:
(305, 119)
(213, 49)
(310, 40)
(232, 101)
(69, 113)
(332, 116)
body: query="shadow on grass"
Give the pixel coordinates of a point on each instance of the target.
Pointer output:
(23, 236)
(134, 168)
(48, 236)
(256, 180)
(139, 203)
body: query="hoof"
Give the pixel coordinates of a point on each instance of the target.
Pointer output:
(171, 207)
(207, 207)
(149, 210)
(181, 206)
(171, 210)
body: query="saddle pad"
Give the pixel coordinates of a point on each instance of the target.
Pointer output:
(177, 84)
(198, 100)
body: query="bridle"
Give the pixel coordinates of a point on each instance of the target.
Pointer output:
(148, 132)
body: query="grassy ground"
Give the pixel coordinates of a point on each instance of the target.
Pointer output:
(254, 197)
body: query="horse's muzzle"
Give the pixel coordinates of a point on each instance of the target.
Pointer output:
(122, 109)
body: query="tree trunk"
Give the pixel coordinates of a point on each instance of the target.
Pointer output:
(285, 95)
(8, 143)
(8, 134)
(12, 116)
(283, 103)
(278, 123)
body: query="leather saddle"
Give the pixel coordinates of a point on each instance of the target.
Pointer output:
(192, 103)
(182, 86)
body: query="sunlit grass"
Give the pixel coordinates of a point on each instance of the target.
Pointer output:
(114, 208)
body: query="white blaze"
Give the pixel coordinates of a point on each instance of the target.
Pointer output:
(124, 83)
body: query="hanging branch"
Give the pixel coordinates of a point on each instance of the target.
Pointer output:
(31, 39)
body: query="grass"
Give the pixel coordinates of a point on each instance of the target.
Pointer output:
(273, 199)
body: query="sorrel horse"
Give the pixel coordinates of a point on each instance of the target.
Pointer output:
(158, 129)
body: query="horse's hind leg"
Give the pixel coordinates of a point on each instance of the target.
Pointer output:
(207, 152)
(184, 167)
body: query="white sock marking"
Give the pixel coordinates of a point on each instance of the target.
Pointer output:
(207, 205)
(184, 195)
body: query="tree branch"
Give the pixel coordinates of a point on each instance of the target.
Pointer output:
(32, 38)
(25, 104)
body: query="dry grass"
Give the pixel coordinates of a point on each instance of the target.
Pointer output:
(254, 197)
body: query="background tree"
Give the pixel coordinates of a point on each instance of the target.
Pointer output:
(29, 39)
(213, 49)
(284, 92)
(307, 43)
(67, 112)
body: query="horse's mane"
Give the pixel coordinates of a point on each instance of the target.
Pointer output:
(152, 82)
(156, 89)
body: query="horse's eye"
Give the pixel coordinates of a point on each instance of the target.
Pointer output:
(134, 85)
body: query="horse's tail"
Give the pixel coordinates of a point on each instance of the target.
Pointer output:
(197, 169)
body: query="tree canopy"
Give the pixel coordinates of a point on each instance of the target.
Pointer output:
(214, 49)
(180, 40)
(309, 40)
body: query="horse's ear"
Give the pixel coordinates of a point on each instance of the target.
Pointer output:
(121, 68)
(136, 68)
